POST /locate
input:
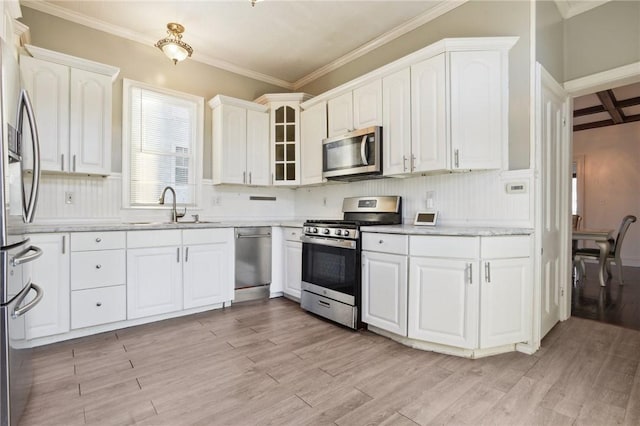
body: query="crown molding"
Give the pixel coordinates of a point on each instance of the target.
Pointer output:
(73, 61)
(385, 38)
(569, 9)
(218, 100)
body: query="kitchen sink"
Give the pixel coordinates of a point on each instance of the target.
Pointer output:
(142, 223)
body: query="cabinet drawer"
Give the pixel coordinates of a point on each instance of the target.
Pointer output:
(292, 234)
(98, 306)
(137, 239)
(385, 243)
(444, 246)
(90, 269)
(82, 241)
(505, 247)
(207, 236)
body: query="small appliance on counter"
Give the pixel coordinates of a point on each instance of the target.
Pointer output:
(331, 257)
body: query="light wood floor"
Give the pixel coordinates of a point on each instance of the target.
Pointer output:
(269, 362)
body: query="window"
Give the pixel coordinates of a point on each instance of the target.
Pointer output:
(161, 144)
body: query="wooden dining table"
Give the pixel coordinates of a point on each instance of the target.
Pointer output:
(601, 238)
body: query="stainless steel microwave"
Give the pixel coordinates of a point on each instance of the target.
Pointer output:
(353, 156)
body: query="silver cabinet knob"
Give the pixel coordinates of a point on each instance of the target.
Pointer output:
(98, 266)
(99, 304)
(98, 239)
(381, 241)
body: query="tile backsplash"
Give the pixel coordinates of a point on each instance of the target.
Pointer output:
(474, 198)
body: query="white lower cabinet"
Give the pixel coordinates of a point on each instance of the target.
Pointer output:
(51, 273)
(384, 291)
(154, 281)
(208, 267)
(464, 292)
(293, 268)
(443, 301)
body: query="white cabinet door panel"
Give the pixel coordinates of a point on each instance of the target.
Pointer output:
(384, 291)
(51, 273)
(367, 105)
(340, 114)
(396, 123)
(258, 147)
(98, 306)
(207, 274)
(443, 301)
(90, 269)
(313, 131)
(154, 281)
(293, 268)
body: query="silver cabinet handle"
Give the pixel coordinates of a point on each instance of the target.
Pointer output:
(404, 163)
(74, 162)
(249, 177)
(62, 162)
(64, 244)
(456, 156)
(186, 254)
(487, 272)
(471, 273)
(244, 177)
(98, 266)
(413, 162)
(178, 254)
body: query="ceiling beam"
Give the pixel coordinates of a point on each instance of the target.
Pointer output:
(588, 111)
(608, 99)
(628, 102)
(604, 123)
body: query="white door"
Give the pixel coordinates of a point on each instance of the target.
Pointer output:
(552, 158)
(258, 147)
(444, 301)
(396, 123)
(293, 268)
(154, 281)
(51, 273)
(384, 291)
(48, 87)
(207, 274)
(90, 122)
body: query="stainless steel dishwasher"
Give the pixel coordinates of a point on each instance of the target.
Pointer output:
(253, 263)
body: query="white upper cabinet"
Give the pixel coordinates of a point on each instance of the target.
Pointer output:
(396, 123)
(479, 111)
(72, 99)
(240, 142)
(355, 110)
(314, 130)
(429, 149)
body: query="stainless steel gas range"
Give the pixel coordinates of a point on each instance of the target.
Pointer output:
(331, 251)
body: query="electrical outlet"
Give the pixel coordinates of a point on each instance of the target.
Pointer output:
(430, 199)
(68, 197)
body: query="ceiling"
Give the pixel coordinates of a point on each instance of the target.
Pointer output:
(607, 108)
(287, 43)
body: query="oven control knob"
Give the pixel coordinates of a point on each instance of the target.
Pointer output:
(325, 231)
(337, 232)
(345, 233)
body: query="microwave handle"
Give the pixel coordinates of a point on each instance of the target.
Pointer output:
(25, 106)
(363, 150)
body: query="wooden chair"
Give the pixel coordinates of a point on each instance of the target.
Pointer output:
(614, 254)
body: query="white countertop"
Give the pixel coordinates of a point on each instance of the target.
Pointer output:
(144, 225)
(466, 231)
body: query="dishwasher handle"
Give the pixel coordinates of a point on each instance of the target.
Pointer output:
(268, 235)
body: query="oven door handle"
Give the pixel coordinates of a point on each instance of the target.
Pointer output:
(331, 242)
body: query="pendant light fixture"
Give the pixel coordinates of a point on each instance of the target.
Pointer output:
(172, 45)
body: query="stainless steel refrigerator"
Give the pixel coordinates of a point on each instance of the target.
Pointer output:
(18, 199)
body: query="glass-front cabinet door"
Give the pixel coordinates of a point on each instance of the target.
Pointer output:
(284, 120)
(286, 145)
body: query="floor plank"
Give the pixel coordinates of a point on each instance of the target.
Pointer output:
(270, 363)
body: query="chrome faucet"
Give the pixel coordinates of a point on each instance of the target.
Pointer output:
(174, 212)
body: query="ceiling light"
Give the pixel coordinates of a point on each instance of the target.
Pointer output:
(172, 45)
